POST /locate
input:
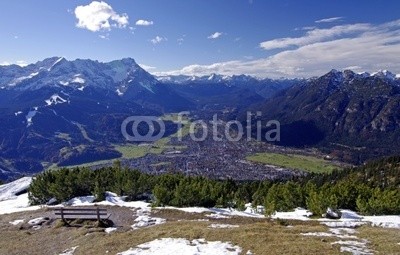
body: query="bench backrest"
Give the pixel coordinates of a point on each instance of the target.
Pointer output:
(94, 213)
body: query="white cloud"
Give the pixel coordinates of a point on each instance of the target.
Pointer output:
(158, 39)
(146, 67)
(21, 63)
(105, 36)
(315, 35)
(328, 20)
(361, 47)
(216, 35)
(142, 22)
(98, 16)
(305, 28)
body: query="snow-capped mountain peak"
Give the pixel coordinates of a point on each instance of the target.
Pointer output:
(59, 72)
(384, 74)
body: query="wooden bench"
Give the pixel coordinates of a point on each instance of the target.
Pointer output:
(87, 213)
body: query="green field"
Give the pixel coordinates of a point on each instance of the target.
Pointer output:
(300, 162)
(133, 151)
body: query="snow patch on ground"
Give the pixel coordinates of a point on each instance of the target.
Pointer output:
(344, 230)
(341, 231)
(173, 246)
(343, 224)
(188, 209)
(328, 234)
(349, 219)
(111, 199)
(384, 221)
(109, 230)
(217, 216)
(354, 247)
(229, 212)
(297, 214)
(348, 243)
(37, 221)
(223, 226)
(19, 204)
(81, 201)
(143, 219)
(234, 212)
(147, 221)
(69, 251)
(16, 222)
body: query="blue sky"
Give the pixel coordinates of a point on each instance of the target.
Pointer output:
(263, 38)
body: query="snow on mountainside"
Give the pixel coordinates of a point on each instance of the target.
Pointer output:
(385, 74)
(55, 99)
(213, 78)
(56, 71)
(217, 78)
(346, 75)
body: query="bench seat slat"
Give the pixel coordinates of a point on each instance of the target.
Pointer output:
(80, 209)
(81, 213)
(87, 217)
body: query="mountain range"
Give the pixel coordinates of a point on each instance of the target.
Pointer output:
(354, 116)
(70, 112)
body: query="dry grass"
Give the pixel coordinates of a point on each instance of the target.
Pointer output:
(261, 236)
(382, 240)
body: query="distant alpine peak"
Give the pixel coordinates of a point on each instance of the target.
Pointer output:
(346, 75)
(60, 72)
(211, 78)
(47, 64)
(337, 76)
(385, 74)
